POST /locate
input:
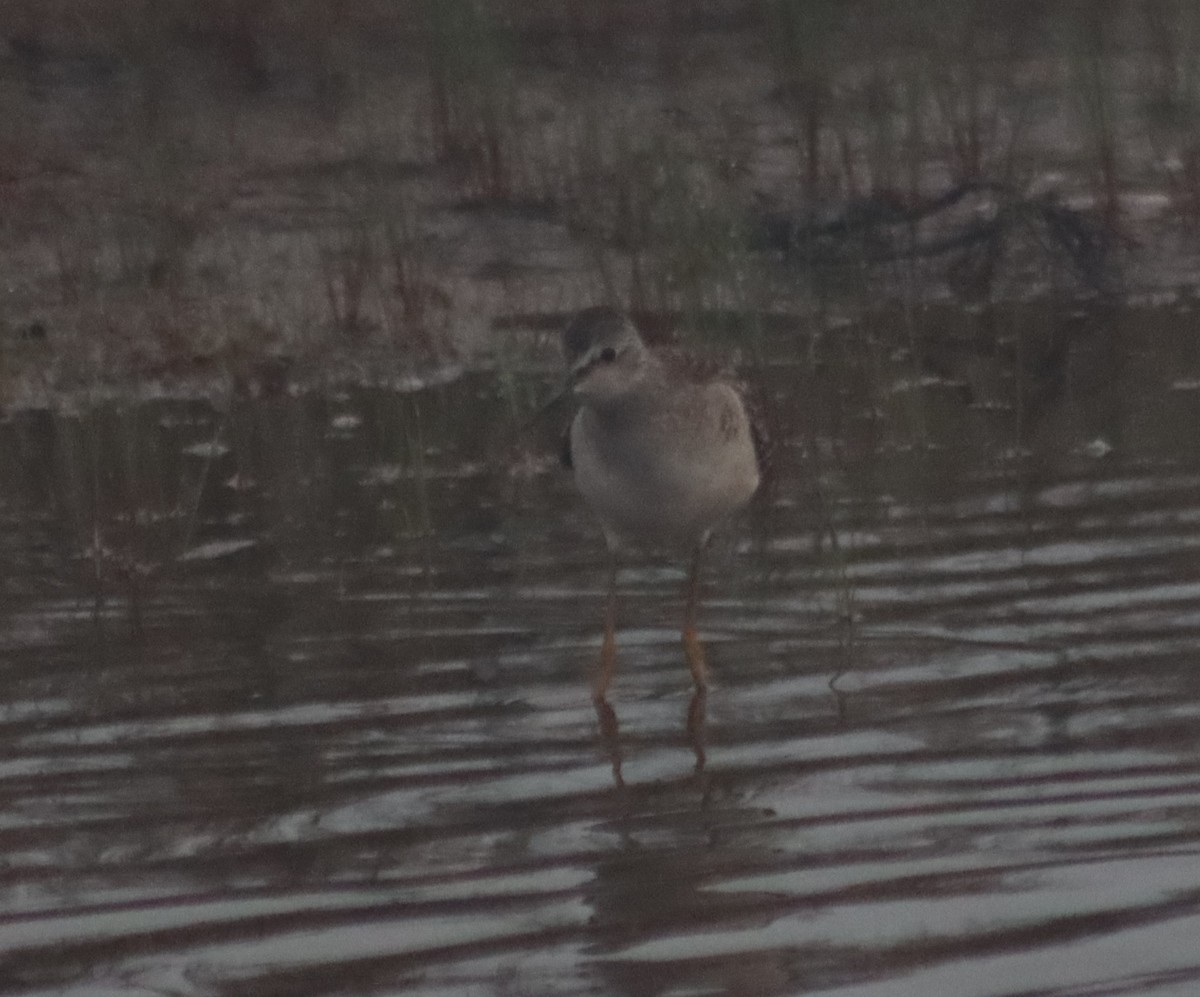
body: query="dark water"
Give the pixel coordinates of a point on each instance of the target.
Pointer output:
(317, 720)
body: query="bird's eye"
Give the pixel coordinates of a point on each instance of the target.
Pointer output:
(608, 354)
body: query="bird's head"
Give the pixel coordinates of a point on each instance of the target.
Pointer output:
(606, 358)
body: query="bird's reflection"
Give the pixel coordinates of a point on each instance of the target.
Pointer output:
(610, 735)
(697, 722)
(695, 725)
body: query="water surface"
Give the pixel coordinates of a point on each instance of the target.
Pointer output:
(295, 697)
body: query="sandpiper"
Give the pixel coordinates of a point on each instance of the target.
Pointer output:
(662, 453)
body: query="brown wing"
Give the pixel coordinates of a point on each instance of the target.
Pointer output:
(763, 433)
(702, 369)
(693, 368)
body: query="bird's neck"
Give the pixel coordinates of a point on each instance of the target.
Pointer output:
(641, 397)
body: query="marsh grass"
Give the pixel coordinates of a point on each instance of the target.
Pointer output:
(472, 94)
(123, 514)
(664, 223)
(1170, 77)
(350, 270)
(602, 122)
(379, 283)
(422, 305)
(980, 106)
(1170, 83)
(1093, 66)
(802, 36)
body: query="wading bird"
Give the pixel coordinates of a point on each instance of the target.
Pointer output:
(662, 452)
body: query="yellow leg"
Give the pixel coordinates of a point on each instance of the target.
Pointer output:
(608, 648)
(692, 648)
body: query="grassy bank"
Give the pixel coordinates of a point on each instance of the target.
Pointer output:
(243, 194)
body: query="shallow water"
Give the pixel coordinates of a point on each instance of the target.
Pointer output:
(317, 721)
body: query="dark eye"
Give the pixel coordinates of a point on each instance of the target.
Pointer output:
(608, 354)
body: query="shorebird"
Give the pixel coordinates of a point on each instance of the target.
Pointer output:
(662, 453)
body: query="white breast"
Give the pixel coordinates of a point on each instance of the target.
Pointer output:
(666, 473)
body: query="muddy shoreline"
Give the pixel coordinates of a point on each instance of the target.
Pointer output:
(247, 202)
